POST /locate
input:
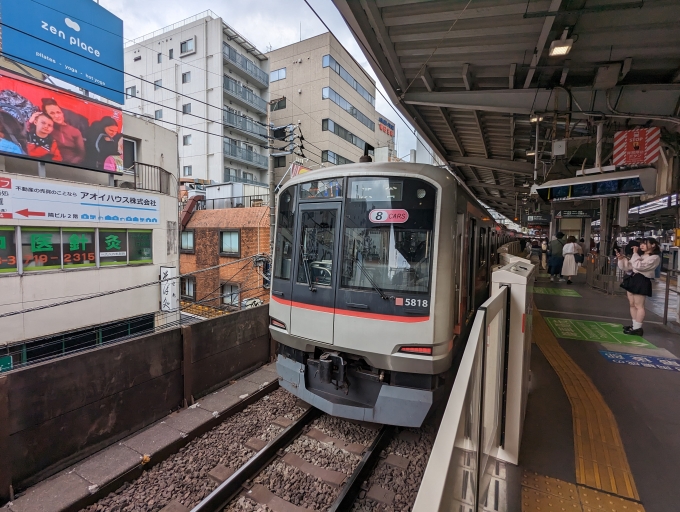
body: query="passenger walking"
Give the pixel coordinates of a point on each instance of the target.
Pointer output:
(638, 282)
(570, 251)
(544, 254)
(556, 259)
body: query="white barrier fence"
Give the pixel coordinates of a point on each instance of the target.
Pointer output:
(459, 473)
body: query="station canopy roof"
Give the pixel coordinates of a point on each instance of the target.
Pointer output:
(470, 75)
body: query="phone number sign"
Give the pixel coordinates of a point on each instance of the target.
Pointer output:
(23, 199)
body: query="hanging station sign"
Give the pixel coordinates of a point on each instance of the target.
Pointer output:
(576, 214)
(637, 147)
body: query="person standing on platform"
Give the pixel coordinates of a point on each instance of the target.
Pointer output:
(544, 254)
(638, 282)
(556, 259)
(569, 252)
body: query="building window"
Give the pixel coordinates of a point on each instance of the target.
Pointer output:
(229, 243)
(186, 140)
(332, 126)
(157, 85)
(278, 105)
(129, 153)
(230, 294)
(248, 176)
(186, 46)
(186, 171)
(186, 108)
(140, 243)
(158, 114)
(113, 245)
(187, 241)
(334, 158)
(279, 161)
(171, 54)
(186, 77)
(187, 288)
(329, 61)
(328, 93)
(131, 92)
(159, 58)
(230, 174)
(138, 58)
(277, 75)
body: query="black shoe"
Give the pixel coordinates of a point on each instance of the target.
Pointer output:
(568, 281)
(627, 329)
(635, 332)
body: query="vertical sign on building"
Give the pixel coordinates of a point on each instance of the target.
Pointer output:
(77, 41)
(169, 297)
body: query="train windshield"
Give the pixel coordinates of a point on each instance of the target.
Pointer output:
(388, 234)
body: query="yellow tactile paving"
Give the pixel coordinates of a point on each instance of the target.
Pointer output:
(601, 461)
(548, 485)
(593, 500)
(536, 501)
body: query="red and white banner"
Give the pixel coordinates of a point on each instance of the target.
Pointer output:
(639, 146)
(297, 168)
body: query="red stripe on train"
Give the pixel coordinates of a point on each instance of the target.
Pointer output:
(357, 314)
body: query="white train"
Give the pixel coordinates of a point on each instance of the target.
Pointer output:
(377, 272)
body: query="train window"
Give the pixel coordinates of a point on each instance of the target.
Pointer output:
(321, 189)
(481, 255)
(316, 247)
(283, 252)
(388, 234)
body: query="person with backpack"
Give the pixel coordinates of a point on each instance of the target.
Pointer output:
(638, 281)
(556, 258)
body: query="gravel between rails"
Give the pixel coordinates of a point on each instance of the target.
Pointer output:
(296, 486)
(404, 483)
(183, 476)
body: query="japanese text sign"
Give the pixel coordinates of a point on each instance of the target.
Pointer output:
(638, 146)
(23, 199)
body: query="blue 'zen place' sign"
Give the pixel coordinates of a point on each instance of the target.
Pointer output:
(661, 363)
(77, 41)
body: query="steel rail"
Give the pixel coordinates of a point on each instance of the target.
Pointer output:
(352, 487)
(220, 497)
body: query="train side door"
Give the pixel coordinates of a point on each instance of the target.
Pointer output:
(313, 297)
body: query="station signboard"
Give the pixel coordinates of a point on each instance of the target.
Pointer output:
(537, 219)
(77, 41)
(576, 214)
(53, 125)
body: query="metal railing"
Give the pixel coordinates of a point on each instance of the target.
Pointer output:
(233, 202)
(603, 273)
(161, 31)
(153, 178)
(245, 155)
(239, 179)
(236, 90)
(458, 475)
(245, 125)
(245, 64)
(669, 274)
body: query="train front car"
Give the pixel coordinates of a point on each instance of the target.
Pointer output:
(356, 282)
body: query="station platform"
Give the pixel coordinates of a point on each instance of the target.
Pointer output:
(602, 420)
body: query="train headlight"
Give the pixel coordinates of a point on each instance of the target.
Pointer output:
(421, 351)
(420, 193)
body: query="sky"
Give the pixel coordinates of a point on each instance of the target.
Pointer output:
(264, 23)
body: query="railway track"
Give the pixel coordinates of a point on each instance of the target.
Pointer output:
(279, 455)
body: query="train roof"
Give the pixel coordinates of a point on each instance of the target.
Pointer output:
(436, 174)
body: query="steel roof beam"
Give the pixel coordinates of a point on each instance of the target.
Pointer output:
(507, 188)
(542, 39)
(414, 17)
(494, 164)
(478, 122)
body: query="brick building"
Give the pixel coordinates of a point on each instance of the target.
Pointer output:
(216, 237)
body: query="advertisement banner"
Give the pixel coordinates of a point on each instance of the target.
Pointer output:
(77, 41)
(24, 199)
(48, 124)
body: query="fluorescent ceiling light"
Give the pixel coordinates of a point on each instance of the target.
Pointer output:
(560, 47)
(531, 153)
(536, 119)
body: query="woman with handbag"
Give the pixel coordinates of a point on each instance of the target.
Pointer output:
(570, 251)
(638, 283)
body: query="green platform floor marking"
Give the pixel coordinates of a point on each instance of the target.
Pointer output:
(562, 292)
(601, 332)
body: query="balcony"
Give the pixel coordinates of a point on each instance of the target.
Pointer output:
(245, 155)
(243, 95)
(245, 64)
(233, 202)
(245, 126)
(238, 179)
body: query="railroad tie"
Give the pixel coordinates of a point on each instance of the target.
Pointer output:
(334, 478)
(260, 494)
(318, 435)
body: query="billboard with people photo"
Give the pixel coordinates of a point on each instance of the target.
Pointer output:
(45, 123)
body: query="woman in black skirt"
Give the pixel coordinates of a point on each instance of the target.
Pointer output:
(638, 284)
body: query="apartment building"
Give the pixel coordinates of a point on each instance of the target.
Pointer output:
(204, 80)
(324, 91)
(68, 232)
(228, 238)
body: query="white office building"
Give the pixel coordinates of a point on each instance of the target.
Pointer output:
(203, 79)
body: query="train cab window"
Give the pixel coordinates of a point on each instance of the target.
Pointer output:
(388, 234)
(321, 189)
(317, 243)
(284, 235)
